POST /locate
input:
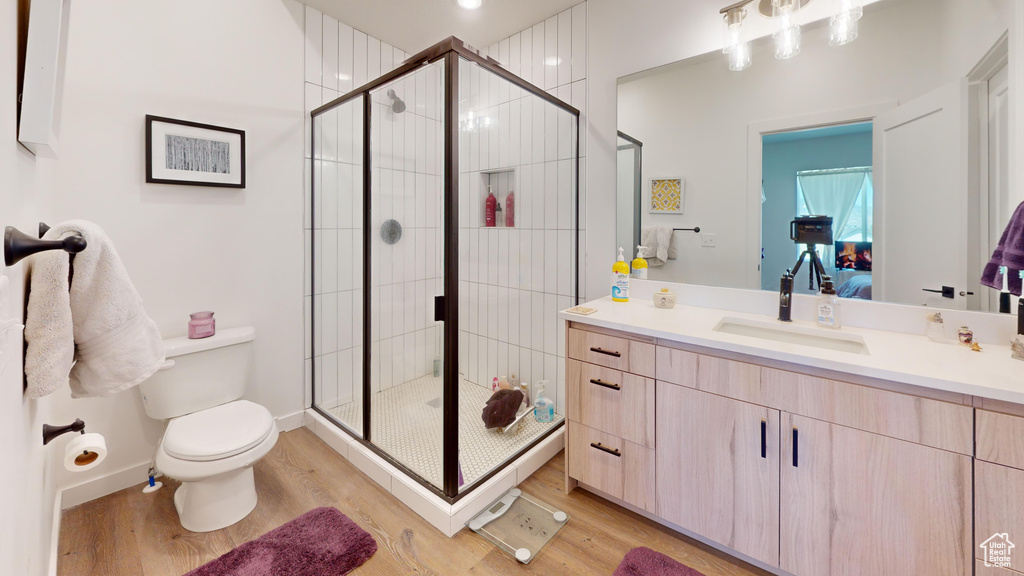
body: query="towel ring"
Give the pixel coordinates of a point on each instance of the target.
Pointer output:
(18, 245)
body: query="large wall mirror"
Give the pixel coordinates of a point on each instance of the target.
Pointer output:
(900, 137)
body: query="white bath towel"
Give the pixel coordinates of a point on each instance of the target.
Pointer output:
(657, 243)
(99, 323)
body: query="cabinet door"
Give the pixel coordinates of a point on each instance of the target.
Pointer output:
(718, 469)
(856, 503)
(998, 510)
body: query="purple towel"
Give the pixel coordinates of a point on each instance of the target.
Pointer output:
(1009, 253)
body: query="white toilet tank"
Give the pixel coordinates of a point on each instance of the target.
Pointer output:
(199, 374)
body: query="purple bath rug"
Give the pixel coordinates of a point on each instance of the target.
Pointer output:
(646, 562)
(321, 542)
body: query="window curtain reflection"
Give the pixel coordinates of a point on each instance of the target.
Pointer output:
(845, 195)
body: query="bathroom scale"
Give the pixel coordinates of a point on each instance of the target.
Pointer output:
(519, 524)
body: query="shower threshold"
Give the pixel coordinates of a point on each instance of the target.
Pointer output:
(447, 517)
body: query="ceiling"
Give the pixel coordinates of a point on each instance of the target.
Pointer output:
(413, 25)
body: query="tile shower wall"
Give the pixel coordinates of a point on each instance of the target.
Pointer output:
(337, 59)
(513, 281)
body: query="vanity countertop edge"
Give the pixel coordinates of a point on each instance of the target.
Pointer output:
(893, 356)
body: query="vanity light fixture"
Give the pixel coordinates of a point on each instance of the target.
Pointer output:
(787, 32)
(470, 4)
(737, 49)
(843, 27)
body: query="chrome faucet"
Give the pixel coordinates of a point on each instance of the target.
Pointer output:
(786, 297)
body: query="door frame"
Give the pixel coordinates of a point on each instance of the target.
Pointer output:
(979, 193)
(755, 132)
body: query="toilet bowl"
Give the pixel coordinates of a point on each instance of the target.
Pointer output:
(213, 438)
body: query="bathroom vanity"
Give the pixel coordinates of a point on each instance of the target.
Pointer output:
(807, 452)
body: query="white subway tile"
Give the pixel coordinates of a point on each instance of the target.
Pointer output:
(502, 134)
(565, 264)
(502, 354)
(579, 41)
(345, 58)
(513, 316)
(502, 307)
(550, 53)
(359, 47)
(565, 30)
(539, 128)
(314, 45)
(329, 69)
(537, 321)
(357, 319)
(526, 259)
(551, 195)
(515, 54)
(526, 55)
(538, 54)
(372, 58)
(345, 320)
(566, 194)
(329, 373)
(537, 270)
(387, 58)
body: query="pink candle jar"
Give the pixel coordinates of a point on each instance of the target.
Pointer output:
(201, 325)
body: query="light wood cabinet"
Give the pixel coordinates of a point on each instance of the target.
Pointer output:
(1000, 438)
(853, 503)
(619, 403)
(612, 465)
(612, 352)
(718, 469)
(999, 507)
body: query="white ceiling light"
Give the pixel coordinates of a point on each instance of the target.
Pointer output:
(787, 33)
(843, 27)
(734, 44)
(470, 4)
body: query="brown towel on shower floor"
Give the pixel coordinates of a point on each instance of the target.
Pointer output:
(501, 408)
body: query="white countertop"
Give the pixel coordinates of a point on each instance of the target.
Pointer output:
(898, 357)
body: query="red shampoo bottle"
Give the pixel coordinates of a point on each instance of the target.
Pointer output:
(490, 205)
(510, 210)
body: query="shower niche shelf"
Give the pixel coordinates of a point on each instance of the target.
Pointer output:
(501, 182)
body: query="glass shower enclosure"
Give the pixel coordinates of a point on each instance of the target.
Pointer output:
(444, 241)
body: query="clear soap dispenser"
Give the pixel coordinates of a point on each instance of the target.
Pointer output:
(828, 305)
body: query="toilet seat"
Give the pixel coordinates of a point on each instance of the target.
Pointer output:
(219, 432)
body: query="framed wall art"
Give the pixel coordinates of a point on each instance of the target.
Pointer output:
(194, 154)
(666, 195)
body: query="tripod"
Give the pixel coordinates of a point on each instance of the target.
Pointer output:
(817, 269)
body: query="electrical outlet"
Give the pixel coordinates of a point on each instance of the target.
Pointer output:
(707, 241)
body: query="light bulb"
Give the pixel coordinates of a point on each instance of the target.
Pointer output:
(733, 21)
(843, 27)
(739, 58)
(787, 34)
(470, 4)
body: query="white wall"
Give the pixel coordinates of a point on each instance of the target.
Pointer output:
(26, 478)
(235, 63)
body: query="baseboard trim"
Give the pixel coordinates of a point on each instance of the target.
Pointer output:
(290, 422)
(55, 533)
(72, 496)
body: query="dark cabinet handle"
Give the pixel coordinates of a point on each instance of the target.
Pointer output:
(947, 291)
(796, 447)
(606, 352)
(614, 452)
(600, 382)
(764, 439)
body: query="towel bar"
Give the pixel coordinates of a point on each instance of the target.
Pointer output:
(695, 230)
(18, 245)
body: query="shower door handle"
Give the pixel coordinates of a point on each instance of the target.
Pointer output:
(438, 308)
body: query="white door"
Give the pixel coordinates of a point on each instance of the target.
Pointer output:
(999, 209)
(920, 227)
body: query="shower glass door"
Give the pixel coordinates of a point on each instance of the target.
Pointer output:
(407, 270)
(335, 229)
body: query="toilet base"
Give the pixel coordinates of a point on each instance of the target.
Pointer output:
(217, 502)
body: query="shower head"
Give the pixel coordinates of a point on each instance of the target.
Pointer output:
(397, 105)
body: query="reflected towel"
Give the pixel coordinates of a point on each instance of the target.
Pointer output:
(657, 244)
(88, 315)
(1010, 253)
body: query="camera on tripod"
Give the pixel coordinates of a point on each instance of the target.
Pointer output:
(811, 231)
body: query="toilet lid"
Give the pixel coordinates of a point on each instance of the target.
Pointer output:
(218, 432)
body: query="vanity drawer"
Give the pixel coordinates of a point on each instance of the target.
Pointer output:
(608, 463)
(618, 403)
(1000, 438)
(612, 352)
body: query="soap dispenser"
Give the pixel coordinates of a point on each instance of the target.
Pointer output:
(786, 297)
(639, 264)
(620, 279)
(828, 305)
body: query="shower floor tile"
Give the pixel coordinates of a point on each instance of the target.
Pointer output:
(407, 425)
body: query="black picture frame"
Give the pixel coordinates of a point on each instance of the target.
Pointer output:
(159, 172)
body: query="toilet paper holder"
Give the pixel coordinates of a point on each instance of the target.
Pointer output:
(51, 432)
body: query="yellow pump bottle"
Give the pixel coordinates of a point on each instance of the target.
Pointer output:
(639, 264)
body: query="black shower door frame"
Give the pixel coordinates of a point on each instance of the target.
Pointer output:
(446, 306)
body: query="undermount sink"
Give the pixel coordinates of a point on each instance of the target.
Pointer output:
(825, 339)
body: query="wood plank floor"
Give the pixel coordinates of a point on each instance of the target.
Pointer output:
(134, 534)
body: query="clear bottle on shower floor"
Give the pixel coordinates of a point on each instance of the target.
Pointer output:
(543, 408)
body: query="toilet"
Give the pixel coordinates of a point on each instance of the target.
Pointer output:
(212, 438)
